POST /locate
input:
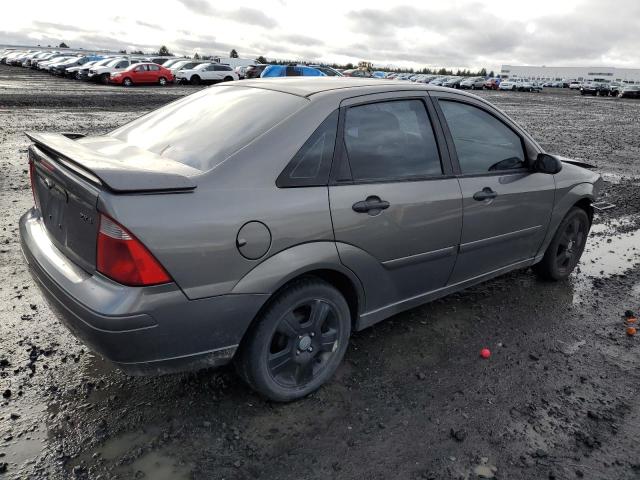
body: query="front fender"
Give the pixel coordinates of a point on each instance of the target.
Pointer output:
(565, 199)
(277, 270)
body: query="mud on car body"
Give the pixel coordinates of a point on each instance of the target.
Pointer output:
(190, 237)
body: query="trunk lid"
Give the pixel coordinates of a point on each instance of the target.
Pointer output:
(68, 176)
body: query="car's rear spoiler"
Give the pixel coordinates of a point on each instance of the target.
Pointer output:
(115, 174)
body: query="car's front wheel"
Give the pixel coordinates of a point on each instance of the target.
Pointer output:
(162, 81)
(297, 343)
(195, 80)
(127, 82)
(566, 247)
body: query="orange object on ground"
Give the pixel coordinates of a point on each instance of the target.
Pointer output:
(632, 320)
(631, 331)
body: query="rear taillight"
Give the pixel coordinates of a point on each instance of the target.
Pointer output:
(123, 258)
(32, 179)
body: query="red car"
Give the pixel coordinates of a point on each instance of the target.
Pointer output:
(139, 73)
(492, 84)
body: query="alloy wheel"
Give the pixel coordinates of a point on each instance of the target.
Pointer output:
(304, 341)
(571, 244)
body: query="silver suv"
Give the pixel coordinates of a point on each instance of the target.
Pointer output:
(266, 234)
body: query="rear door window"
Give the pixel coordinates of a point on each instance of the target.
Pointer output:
(391, 140)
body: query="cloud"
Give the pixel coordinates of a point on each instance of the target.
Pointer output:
(149, 25)
(250, 16)
(473, 35)
(301, 40)
(59, 27)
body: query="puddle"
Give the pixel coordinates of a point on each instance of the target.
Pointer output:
(610, 255)
(606, 254)
(29, 436)
(160, 466)
(606, 224)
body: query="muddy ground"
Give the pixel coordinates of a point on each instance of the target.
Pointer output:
(559, 398)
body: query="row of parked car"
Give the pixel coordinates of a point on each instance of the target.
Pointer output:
(119, 69)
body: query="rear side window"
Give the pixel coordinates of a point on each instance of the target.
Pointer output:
(311, 165)
(391, 140)
(483, 143)
(203, 129)
(154, 68)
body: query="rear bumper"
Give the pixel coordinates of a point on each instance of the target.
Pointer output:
(141, 329)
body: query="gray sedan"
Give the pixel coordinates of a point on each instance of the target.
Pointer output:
(263, 221)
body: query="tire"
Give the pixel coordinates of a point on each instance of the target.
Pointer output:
(104, 78)
(566, 247)
(162, 81)
(127, 82)
(513, 88)
(227, 79)
(195, 80)
(287, 354)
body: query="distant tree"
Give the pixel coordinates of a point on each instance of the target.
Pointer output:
(261, 59)
(164, 51)
(483, 72)
(491, 74)
(196, 56)
(233, 53)
(442, 71)
(122, 51)
(136, 52)
(63, 45)
(348, 66)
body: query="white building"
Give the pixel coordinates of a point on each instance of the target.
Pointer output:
(611, 74)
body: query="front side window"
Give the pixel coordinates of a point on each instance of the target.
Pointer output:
(483, 143)
(391, 140)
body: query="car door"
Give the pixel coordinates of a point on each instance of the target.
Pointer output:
(210, 73)
(393, 196)
(507, 207)
(138, 74)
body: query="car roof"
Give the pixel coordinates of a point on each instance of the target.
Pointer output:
(308, 86)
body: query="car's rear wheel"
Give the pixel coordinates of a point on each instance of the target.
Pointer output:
(127, 82)
(566, 247)
(227, 79)
(104, 78)
(162, 81)
(297, 343)
(195, 80)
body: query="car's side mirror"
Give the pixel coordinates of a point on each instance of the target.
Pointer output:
(545, 163)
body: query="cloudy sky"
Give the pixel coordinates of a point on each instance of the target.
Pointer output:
(450, 33)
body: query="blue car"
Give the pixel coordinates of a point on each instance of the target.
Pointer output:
(290, 71)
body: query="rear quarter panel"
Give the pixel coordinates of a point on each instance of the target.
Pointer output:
(194, 234)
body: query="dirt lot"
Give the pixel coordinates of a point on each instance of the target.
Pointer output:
(559, 398)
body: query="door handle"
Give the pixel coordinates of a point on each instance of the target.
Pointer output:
(485, 194)
(372, 205)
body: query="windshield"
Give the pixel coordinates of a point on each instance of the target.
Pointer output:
(203, 129)
(101, 63)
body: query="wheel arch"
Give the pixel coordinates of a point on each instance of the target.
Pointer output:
(316, 259)
(581, 196)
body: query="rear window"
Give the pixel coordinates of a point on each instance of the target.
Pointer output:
(203, 129)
